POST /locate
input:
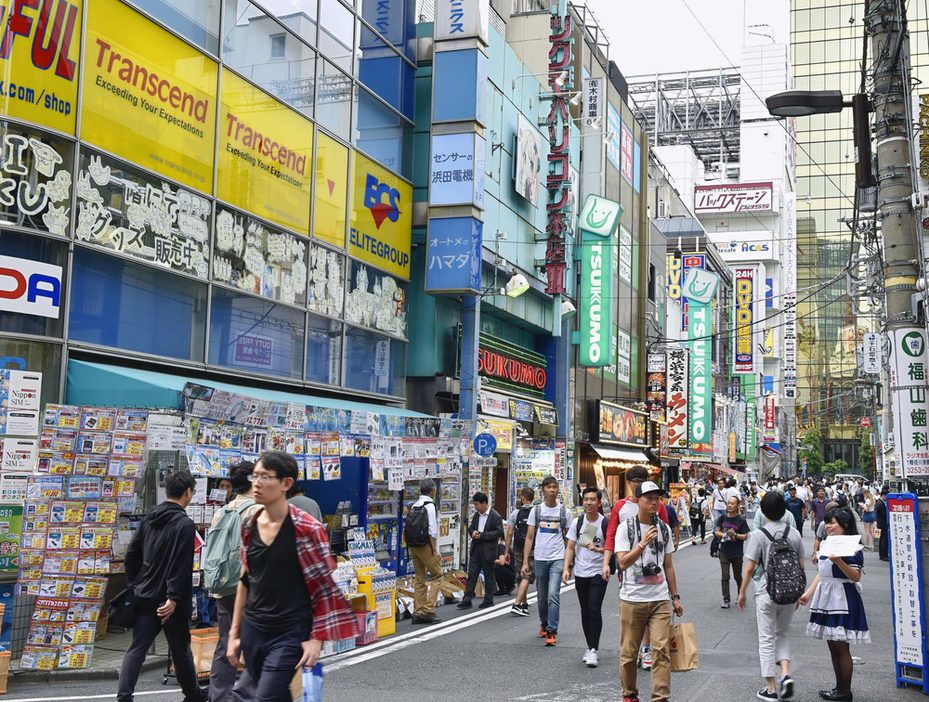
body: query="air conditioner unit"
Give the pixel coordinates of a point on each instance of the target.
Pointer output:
(662, 209)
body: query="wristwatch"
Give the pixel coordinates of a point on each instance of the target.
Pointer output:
(675, 597)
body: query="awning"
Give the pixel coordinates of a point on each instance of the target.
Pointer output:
(726, 469)
(620, 454)
(101, 385)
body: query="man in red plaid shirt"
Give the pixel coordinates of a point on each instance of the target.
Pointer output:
(287, 603)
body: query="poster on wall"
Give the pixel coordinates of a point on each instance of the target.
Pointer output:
(622, 425)
(656, 383)
(528, 162)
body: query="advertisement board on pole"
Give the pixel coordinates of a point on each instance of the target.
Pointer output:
(909, 391)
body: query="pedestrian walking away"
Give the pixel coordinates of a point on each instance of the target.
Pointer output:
(420, 533)
(732, 530)
(836, 608)
(647, 595)
(586, 540)
(880, 519)
(485, 531)
(773, 619)
(287, 603)
(159, 572)
(545, 540)
(699, 512)
(867, 517)
(516, 528)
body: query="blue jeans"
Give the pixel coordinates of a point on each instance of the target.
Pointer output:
(271, 659)
(548, 586)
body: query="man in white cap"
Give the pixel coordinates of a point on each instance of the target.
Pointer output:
(648, 594)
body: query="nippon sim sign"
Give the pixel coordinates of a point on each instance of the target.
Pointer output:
(381, 218)
(30, 287)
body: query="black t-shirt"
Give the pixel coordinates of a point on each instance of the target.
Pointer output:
(277, 596)
(732, 548)
(501, 550)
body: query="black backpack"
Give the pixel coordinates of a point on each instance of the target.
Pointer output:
(416, 528)
(841, 499)
(521, 527)
(783, 570)
(614, 564)
(695, 510)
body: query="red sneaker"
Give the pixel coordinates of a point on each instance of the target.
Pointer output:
(630, 699)
(542, 631)
(550, 638)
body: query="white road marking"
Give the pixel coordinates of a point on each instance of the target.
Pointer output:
(169, 691)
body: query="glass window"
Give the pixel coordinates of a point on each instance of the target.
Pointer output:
(395, 20)
(135, 307)
(334, 100)
(38, 169)
(198, 22)
(375, 300)
(374, 363)
(255, 46)
(383, 134)
(337, 34)
(456, 85)
(299, 15)
(45, 292)
(327, 281)
(323, 351)
(255, 335)
(329, 214)
(17, 354)
(383, 71)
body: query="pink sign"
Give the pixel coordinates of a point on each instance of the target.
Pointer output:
(625, 156)
(253, 349)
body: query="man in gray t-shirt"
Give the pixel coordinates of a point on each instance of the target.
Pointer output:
(773, 619)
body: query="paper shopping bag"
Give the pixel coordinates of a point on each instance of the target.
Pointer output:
(683, 648)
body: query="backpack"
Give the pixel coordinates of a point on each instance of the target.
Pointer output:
(222, 566)
(416, 526)
(841, 499)
(695, 510)
(563, 513)
(521, 528)
(631, 534)
(614, 564)
(783, 570)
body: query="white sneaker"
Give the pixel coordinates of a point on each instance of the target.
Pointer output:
(591, 660)
(586, 657)
(647, 659)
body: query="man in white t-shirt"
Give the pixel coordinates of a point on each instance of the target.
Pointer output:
(545, 540)
(720, 497)
(649, 592)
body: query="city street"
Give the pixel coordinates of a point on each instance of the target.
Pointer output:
(494, 654)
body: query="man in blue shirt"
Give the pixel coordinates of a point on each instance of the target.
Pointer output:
(796, 507)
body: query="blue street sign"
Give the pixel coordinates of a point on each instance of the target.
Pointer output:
(485, 445)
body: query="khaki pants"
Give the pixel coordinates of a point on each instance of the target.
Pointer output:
(635, 618)
(425, 560)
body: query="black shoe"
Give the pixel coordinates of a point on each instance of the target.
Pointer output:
(485, 604)
(835, 696)
(464, 604)
(429, 618)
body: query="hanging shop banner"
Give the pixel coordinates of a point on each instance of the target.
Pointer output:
(453, 255)
(457, 19)
(678, 389)
(770, 416)
(457, 170)
(593, 100)
(732, 199)
(909, 383)
(614, 132)
(381, 218)
(597, 222)
(656, 386)
(39, 62)
(509, 367)
(623, 356)
(493, 404)
(265, 155)
(148, 96)
(625, 146)
(677, 270)
(745, 320)
(701, 379)
(30, 287)
(528, 166)
(790, 295)
(749, 392)
(621, 425)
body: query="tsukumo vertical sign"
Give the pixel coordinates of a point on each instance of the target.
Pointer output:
(699, 288)
(597, 223)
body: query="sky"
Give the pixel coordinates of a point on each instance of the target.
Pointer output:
(660, 36)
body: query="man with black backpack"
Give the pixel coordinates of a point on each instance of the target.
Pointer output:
(420, 531)
(777, 551)
(517, 526)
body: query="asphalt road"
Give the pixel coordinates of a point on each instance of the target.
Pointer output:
(492, 654)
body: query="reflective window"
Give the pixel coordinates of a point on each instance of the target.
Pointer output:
(39, 356)
(334, 100)
(383, 71)
(198, 22)
(255, 45)
(337, 34)
(323, 351)
(331, 190)
(374, 363)
(459, 85)
(375, 300)
(135, 307)
(383, 134)
(395, 20)
(44, 294)
(255, 335)
(299, 15)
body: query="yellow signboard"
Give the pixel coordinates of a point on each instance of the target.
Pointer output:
(331, 191)
(39, 57)
(381, 218)
(265, 154)
(148, 97)
(501, 431)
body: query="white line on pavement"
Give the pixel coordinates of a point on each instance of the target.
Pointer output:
(169, 691)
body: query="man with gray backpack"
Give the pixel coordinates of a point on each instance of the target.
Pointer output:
(222, 569)
(776, 550)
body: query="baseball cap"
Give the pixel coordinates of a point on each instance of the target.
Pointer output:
(647, 487)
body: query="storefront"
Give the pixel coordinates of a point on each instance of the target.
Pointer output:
(621, 444)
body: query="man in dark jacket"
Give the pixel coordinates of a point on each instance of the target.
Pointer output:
(485, 530)
(159, 566)
(880, 515)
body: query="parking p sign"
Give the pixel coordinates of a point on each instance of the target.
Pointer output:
(485, 445)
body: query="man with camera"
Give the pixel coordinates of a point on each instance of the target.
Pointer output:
(648, 594)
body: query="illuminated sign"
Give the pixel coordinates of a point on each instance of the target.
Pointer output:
(265, 155)
(621, 425)
(506, 366)
(381, 218)
(38, 58)
(677, 398)
(733, 199)
(744, 320)
(701, 379)
(656, 385)
(677, 269)
(30, 287)
(597, 222)
(148, 96)
(457, 19)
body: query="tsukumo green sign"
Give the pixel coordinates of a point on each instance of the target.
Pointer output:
(597, 222)
(700, 287)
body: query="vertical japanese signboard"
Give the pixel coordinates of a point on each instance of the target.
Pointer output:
(597, 222)
(700, 288)
(453, 255)
(749, 392)
(593, 100)
(625, 154)
(910, 400)
(677, 270)
(790, 295)
(745, 322)
(656, 385)
(677, 398)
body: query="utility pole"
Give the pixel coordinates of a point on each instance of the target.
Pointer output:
(905, 326)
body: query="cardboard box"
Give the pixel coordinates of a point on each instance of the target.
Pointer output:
(4, 670)
(456, 581)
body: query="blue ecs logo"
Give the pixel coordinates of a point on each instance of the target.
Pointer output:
(374, 196)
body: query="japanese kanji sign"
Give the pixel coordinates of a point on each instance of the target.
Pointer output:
(910, 400)
(677, 398)
(453, 255)
(593, 99)
(732, 199)
(455, 167)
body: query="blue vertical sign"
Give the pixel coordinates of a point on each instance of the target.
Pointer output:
(453, 255)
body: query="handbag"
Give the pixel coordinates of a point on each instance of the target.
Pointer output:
(682, 647)
(714, 547)
(121, 609)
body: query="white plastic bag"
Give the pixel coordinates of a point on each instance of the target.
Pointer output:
(313, 683)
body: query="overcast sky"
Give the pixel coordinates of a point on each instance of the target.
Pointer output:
(660, 36)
